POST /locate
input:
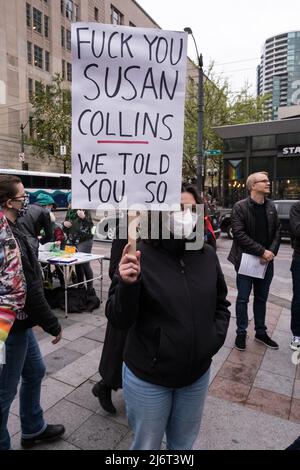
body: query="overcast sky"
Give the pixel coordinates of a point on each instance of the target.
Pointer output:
(228, 31)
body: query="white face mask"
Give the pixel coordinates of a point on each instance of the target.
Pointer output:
(182, 224)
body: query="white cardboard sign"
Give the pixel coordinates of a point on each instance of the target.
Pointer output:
(128, 91)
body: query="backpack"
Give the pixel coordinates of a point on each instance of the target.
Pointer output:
(79, 299)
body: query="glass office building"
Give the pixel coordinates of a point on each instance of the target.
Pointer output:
(272, 146)
(279, 71)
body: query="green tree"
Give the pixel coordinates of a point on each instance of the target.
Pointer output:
(221, 107)
(51, 115)
(247, 108)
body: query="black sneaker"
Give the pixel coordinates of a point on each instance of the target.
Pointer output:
(266, 340)
(51, 433)
(103, 392)
(240, 342)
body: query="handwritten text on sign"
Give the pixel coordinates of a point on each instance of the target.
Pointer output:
(128, 112)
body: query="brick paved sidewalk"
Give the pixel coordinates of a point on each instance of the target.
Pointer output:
(253, 402)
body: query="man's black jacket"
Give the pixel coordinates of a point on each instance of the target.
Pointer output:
(295, 227)
(36, 219)
(177, 313)
(36, 307)
(243, 228)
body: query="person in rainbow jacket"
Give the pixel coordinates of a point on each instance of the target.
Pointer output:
(12, 283)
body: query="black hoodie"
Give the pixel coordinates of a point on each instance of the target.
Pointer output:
(177, 313)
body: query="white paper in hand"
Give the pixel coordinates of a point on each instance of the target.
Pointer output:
(251, 266)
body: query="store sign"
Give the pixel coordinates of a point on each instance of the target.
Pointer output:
(290, 151)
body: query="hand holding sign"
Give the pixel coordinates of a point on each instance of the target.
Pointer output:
(129, 267)
(128, 93)
(81, 214)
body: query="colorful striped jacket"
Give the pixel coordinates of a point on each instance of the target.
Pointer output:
(12, 282)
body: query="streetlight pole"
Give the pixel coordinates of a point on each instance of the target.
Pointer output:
(200, 163)
(22, 127)
(212, 173)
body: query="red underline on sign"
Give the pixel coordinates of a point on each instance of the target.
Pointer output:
(122, 142)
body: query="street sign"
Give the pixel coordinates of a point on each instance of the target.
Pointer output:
(22, 157)
(213, 152)
(63, 150)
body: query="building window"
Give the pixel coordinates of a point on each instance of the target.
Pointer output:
(235, 145)
(37, 20)
(77, 16)
(30, 88)
(68, 39)
(289, 139)
(263, 142)
(69, 72)
(96, 14)
(63, 42)
(47, 61)
(63, 69)
(29, 52)
(28, 15)
(46, 26)
(116, 16)
(258, 164)
(38, 57)
(69, 9)
(38, 87)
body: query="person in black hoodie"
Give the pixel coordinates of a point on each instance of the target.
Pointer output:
(23, 357)
(38, 219)
(173, 301)
(111, 361)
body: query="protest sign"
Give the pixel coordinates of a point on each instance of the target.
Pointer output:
(128, 91)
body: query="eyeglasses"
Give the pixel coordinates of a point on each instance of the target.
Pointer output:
(24, 198)
(263, 181)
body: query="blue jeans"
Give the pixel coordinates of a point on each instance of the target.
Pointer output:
(295, 308)
(261, 289)
(23, 358)
(153, 410)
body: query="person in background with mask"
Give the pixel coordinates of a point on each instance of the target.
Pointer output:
(173, 299)
(78, 227)
(23, 357)
(110, 367)
(38, 219)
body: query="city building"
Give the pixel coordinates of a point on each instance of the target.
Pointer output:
(287, 112)
(279, 71)
(272, 146)
(35, 43)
